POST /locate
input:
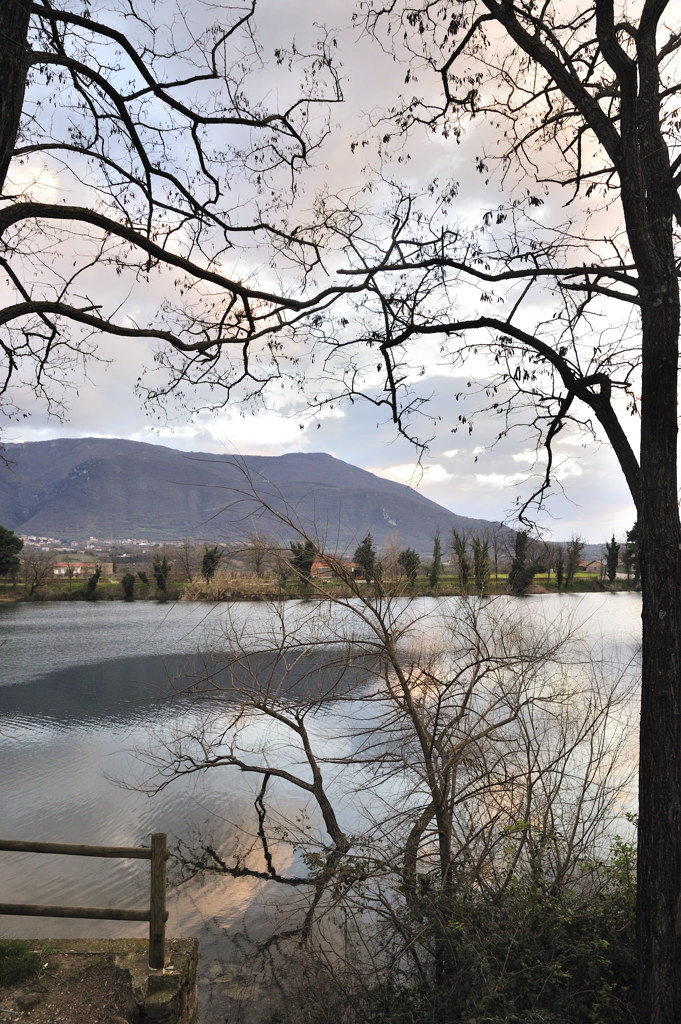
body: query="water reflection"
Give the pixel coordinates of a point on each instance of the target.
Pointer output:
(70, 737)
(84, 688)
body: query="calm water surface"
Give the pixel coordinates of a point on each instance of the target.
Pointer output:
(84, 688)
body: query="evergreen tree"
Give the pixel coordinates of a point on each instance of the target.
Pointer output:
(436, 565)
(302, 559)
(365, 557)
(409, 561)
(630, 555)
(522, 570)
(128, 585)
(612, 557)
(560, 566)
(161, 571)
(210, 562)
(10, 546)
(90, 588)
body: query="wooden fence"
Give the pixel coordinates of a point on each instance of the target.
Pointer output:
(156, 915)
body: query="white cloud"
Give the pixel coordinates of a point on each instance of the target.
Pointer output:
(435, 474)
(412, 474)
(527, 457)
(500, 479)
(34, 182)
(567, 468)
(266, 432)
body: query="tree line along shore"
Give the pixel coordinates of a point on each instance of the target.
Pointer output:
(261, 569)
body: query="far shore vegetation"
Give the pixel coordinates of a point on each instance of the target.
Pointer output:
(261, 570)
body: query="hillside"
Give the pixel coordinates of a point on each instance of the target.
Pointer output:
(77, 488)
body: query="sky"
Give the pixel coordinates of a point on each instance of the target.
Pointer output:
(466, 472)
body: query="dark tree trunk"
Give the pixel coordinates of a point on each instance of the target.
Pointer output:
(650, 202)
(659, 861)
(659, 858)
(14, 17)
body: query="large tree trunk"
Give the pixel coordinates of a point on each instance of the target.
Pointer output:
(659, 860)
(14, 17)
(650, 203)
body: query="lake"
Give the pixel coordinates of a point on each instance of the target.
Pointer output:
(85, 688)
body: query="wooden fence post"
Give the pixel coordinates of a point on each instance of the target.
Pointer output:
(157, 902)
(156, 915)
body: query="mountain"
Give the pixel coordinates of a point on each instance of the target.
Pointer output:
(78, 488)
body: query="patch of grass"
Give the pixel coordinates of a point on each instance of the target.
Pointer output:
(17, 961)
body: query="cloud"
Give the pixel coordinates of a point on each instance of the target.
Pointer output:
(33, 181)
(528, 457)
(412, 474)
(500, 479)
(566, 468)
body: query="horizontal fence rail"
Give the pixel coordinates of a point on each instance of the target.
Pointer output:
(96, 913)
(156, 915)
(68, 849)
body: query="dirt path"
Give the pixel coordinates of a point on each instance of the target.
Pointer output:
(70, 989)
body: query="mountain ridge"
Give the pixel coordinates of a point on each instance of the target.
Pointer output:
(76, 488)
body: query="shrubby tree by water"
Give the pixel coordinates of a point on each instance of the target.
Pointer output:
(460, 807)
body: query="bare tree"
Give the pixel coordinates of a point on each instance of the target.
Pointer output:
(188, 559)
(389, 556)
(37, 570)
(495, 540)
(471, 748)
(459, 548)
(259, 552)
(569, 281)
(131, 176)
(480, 563)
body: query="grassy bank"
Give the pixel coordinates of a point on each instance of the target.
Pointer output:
(244, 587)
(240, 587)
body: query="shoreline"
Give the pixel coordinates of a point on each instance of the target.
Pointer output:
(227, 594)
